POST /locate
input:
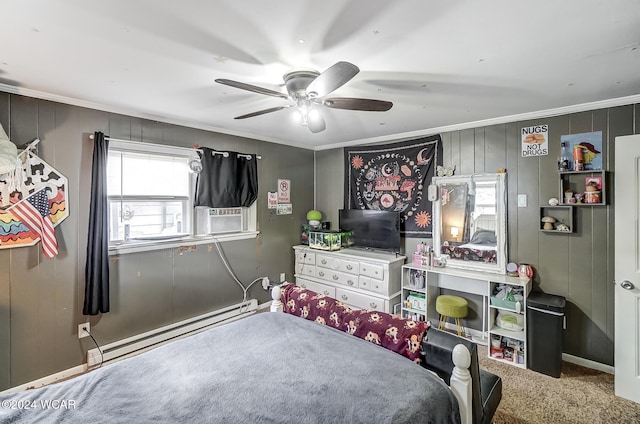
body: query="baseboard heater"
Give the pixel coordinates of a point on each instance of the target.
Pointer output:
(145, 341)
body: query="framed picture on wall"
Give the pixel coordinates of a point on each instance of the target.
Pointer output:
(591, 146)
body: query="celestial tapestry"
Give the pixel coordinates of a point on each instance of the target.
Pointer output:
(394, 177)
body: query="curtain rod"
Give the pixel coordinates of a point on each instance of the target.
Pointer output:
(225, 154)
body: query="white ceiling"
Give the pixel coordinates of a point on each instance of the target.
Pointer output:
(443, 64)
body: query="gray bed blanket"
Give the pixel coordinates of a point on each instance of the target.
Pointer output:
(267, 368)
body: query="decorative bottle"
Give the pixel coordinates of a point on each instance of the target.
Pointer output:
(564, 163)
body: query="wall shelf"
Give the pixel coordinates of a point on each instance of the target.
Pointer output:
(576, 181)
(563, 215)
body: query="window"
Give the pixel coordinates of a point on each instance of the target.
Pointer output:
(149, 189)
(485, 199)
(150, 192)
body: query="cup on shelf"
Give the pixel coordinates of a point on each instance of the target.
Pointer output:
(592, 197)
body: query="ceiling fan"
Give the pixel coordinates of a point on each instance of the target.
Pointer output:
(308, 89)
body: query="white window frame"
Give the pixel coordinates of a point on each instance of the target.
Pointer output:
(249, 214)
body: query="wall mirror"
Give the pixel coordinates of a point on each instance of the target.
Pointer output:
(470, 221)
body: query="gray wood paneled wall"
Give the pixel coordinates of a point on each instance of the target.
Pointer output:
(579, 266)
(41, 300)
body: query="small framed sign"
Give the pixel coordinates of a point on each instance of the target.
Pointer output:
(535, 140)
(284, 191)
(284, 209)
(272, 200)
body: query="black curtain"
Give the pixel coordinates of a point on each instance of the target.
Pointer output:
(96, 292)
(226, 182)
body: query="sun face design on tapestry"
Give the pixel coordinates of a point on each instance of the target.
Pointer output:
(393, 178)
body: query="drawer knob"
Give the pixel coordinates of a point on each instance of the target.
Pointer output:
(345, 297)
(373, 305)
(326, 292)
(321, 274)
(304, 286)
(349, 267)
(324, 261)
(335, 277)
(350, 283)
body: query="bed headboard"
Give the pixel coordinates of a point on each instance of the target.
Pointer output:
(484, 222)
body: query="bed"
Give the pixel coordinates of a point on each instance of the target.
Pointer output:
(471, 252)
(482, 246)
(266, 368)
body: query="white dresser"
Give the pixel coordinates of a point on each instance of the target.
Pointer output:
(359, 278)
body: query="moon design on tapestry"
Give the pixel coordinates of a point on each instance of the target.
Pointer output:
(421, 160)
(383, 170)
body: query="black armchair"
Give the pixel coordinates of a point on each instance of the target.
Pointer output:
(437, 347)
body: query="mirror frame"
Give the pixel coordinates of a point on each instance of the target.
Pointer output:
(501, 225)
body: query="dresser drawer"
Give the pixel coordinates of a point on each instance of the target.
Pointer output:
(338, 264)
(337, 277)
(306, 269)
(358, 300)
(371, 284)
(329, 262)
(305, 258)
(316, 287)
(351, 267)
(371, 270)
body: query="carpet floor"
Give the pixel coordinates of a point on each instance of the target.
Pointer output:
(580, 395)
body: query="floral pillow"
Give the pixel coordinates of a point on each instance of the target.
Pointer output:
(310, 305)
(400, 335)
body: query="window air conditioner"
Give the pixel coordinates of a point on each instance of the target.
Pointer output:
(218, 220)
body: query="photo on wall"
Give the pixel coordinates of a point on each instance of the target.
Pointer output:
(588, 146)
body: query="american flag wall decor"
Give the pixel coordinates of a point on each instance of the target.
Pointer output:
(41, 188)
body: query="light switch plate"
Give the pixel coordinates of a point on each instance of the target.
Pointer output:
(522, 200)
(432, 193)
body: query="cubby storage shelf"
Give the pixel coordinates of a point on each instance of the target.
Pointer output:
(516, 335)
(576, 182)
(563, 214)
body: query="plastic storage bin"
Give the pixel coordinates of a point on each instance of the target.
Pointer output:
(545, 324)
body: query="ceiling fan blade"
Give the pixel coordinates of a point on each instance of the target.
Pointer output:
(253, 88)
(316, 123)
(331, 79)
(261, 112)
(350, 103)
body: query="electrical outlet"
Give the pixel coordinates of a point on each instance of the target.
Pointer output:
(283, 276)
(265, 283)
(81, 330)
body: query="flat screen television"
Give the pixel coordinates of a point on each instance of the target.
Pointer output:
(375, 230)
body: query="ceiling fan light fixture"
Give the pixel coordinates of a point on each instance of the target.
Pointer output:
(307, 89)
(300, 116)
(304, 110)
(313, 114)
